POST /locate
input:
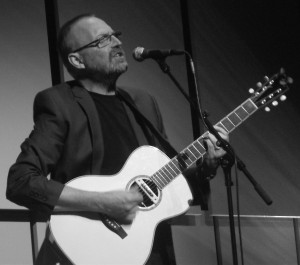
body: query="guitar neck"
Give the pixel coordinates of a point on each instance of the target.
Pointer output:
(196, 149)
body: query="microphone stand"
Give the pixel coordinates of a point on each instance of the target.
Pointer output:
(227, 161)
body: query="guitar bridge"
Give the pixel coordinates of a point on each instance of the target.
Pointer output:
(113, 226)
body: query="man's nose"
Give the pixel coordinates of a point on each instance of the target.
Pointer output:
(115, 41)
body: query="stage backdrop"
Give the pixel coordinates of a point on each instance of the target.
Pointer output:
(234, 46)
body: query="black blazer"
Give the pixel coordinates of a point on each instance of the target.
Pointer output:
(67, 142)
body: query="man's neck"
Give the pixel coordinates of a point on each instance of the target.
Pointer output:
(100, 88)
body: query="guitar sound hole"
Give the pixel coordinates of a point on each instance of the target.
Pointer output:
(149, 191)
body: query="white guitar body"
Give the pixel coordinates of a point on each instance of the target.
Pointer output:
(86, 240)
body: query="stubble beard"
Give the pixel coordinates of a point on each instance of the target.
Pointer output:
(109, 77)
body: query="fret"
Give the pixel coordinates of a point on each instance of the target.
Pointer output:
(194, 150)
(237, 114)
(185, 158)
(176, 162)
(162, 174)
(234, 118)
(182, 158)
(242, 113)
(187, 155)
(227, 124)
(167, 173)
(190, 151)
(170, 170)
(190, 162)
(199, 146)
(249, 106)
(174, 167)
(158, 178)
(156, 182)
(221, 125)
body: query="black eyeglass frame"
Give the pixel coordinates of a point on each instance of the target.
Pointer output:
(102, 38)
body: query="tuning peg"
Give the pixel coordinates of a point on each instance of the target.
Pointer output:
(266, 78)
(290, 80)
(282, 71)
(251, 90)
(282, 97)
(275, 103)
(267, 109)
(259, 84)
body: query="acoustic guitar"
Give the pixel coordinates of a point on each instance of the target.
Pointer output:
(92, 238)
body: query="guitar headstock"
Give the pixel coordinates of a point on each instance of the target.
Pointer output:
(271, 90)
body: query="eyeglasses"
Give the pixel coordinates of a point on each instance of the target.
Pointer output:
(102, 41)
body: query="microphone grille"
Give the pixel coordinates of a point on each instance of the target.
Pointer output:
(137, 54)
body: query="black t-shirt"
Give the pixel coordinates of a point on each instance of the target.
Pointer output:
(119, 142)
(118, 136)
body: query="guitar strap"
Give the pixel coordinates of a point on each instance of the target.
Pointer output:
(170, 150)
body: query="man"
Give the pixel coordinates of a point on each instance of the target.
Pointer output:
(83, 127)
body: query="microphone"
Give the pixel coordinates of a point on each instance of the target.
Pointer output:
(140, 53)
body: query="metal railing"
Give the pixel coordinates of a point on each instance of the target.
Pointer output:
(189, 219)
(19, 215)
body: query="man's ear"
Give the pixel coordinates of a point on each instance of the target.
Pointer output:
(76, 60)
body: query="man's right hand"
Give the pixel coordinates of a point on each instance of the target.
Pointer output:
(120, 205)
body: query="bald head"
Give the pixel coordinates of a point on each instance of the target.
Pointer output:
(78, 32)
(84, 61)
(67, 40)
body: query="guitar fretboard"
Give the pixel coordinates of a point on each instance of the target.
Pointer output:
(196, 149)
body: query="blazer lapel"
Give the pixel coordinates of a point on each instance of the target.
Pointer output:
(140, 130)
(88, 106)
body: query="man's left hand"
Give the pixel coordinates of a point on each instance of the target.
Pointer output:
(214, 152)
